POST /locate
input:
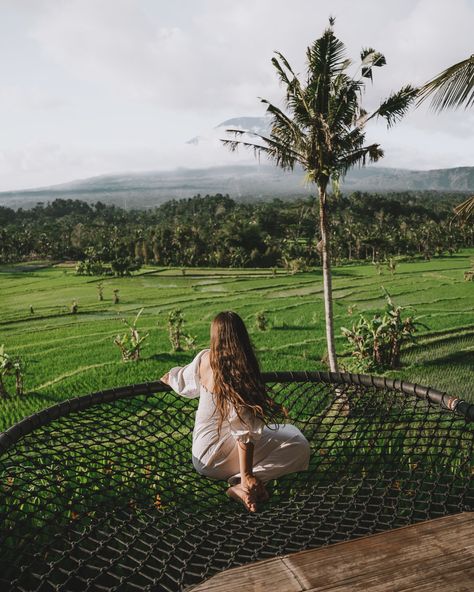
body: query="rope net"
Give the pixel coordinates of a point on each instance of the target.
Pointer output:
(100, 493)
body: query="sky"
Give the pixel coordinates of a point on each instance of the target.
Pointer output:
(90, 87)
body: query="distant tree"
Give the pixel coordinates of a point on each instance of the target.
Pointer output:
(123, 266)
(322, 130)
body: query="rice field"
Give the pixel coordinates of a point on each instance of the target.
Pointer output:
(73, 354)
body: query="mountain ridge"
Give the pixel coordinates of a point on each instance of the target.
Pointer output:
(241, 182)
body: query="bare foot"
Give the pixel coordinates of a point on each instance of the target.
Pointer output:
(247, 498)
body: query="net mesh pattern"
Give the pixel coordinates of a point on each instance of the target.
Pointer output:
(100, 493)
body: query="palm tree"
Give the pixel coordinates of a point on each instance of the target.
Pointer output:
(453, 88)
(322, 130)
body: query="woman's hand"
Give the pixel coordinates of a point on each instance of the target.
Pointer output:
(165, 378)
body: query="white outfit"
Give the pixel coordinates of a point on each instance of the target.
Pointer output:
(278, 449)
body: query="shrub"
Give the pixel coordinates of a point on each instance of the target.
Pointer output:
(11, 366)
(392, 265)
(261, 321)
(377, 342)
(123, 266)
(179, 338)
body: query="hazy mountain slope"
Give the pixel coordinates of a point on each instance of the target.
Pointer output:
(240, 182)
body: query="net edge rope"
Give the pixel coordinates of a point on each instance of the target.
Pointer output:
(69, 406)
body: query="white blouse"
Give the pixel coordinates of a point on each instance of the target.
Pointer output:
(210, 446)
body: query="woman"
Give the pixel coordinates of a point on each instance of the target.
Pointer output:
(232, 438)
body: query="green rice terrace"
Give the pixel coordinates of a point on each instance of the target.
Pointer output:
(100, 492)
(68, 354)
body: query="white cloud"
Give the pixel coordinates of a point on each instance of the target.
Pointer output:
(122, 84)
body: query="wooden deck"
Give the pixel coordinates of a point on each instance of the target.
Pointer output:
(432, 556)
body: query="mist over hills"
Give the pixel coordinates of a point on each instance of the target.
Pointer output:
(246, 180)
(241, 182)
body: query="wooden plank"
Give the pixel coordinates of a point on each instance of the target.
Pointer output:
(425, 557)
(256, 577)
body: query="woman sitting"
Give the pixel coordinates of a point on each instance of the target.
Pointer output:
(235, 437)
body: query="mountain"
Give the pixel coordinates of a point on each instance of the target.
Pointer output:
(242, 182)
(258, 125)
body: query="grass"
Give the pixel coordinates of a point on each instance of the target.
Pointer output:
(69, 355)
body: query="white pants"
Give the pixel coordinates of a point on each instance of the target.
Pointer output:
(282, 449)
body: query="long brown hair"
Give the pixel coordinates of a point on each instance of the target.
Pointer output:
(238, 382)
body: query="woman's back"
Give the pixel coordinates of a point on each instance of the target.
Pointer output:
(206, 378)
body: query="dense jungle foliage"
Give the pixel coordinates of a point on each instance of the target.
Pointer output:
(215, 230)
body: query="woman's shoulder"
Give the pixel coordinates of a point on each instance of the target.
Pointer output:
(201, 361)
(203, 355)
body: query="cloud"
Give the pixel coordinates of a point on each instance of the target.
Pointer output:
(122, 84)
(14, 98)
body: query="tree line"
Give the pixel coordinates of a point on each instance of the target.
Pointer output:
(215, 230)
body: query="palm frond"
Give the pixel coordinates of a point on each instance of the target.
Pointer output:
(327, 55)
(282, 75)
(370, 59)
(465, 209)
(284, 155)
(452, 88)
(326, 59)
(282, 123)
(371, 153)
(396, 106)
(295, 98)
(344, 102)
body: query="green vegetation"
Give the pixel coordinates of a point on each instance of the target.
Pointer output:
(69, 355)
(130, 343)
(10, 367)
(377, 342)
(216, 231)
(179, 338)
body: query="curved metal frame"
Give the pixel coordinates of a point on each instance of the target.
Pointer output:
(45, 416)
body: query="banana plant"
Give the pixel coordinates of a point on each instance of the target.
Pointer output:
(130, 343)
(10, 366)
(377, 342)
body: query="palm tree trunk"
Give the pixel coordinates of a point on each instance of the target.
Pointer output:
(327, 279)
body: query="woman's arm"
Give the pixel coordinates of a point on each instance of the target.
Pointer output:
(248, 480)
(245, 460)
(184, 380)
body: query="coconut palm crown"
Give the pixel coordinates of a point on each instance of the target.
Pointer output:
(453, 88)
(321, 129)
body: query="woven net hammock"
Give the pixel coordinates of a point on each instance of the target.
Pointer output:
(99, 492)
